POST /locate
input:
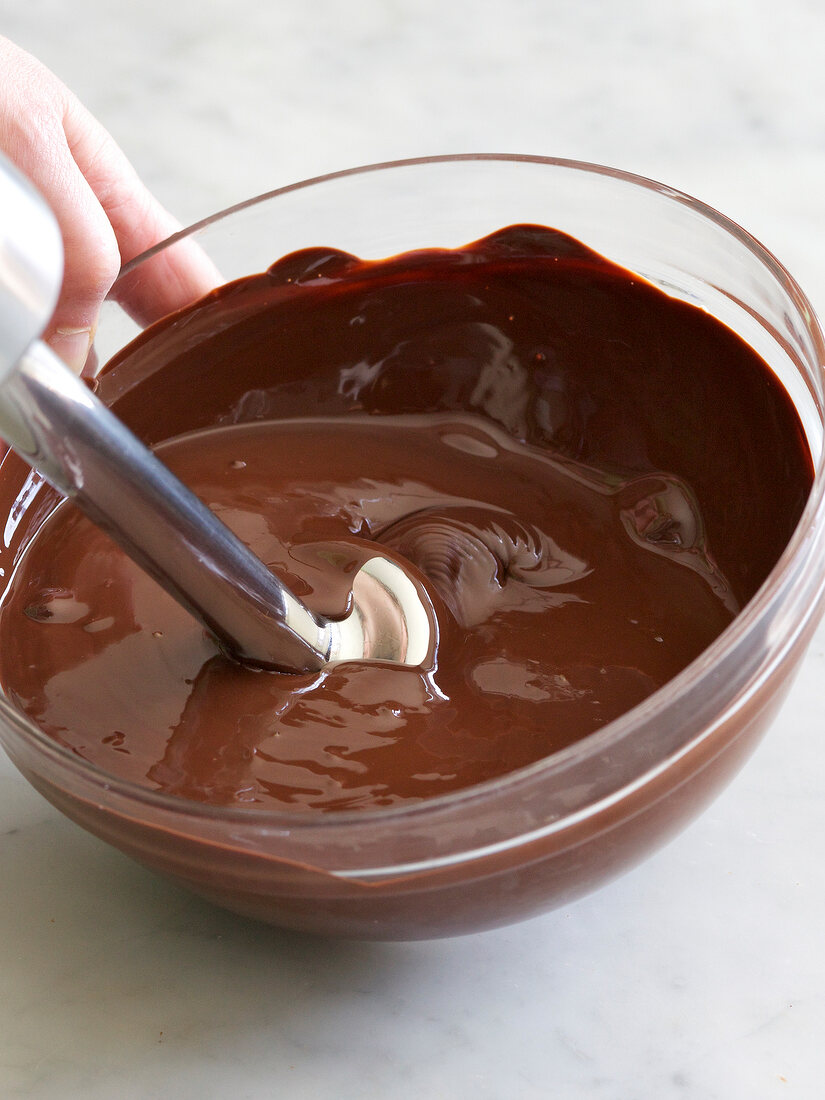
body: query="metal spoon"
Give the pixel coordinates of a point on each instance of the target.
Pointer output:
(50, 418)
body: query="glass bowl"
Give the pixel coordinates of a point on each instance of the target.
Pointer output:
(541, 836)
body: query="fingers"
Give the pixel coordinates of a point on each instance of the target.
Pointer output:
(166, 282)
(106, 215)
(32, 103)
(172, 279)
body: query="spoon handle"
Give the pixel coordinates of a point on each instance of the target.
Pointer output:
(58, 426)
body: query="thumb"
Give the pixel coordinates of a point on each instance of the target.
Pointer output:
(91, 264)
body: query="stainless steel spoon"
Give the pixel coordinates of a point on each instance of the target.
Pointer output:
(50, 418)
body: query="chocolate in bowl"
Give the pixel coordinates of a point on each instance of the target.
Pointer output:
(513, 844)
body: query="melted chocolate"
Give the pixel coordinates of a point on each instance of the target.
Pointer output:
(589, 477)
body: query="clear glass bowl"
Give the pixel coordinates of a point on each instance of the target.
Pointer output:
(541, 836)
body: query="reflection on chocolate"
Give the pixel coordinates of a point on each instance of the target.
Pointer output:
(563, 453)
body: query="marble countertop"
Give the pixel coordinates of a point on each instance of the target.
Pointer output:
(699, 975)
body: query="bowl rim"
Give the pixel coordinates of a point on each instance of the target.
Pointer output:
(796, 568)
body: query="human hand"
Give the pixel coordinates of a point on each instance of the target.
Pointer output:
(105, 214)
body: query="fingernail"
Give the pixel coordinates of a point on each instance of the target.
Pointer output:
(72, 345)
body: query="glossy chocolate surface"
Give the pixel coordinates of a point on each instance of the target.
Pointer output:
(591, 479)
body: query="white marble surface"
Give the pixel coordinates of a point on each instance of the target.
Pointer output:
(700, 975)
